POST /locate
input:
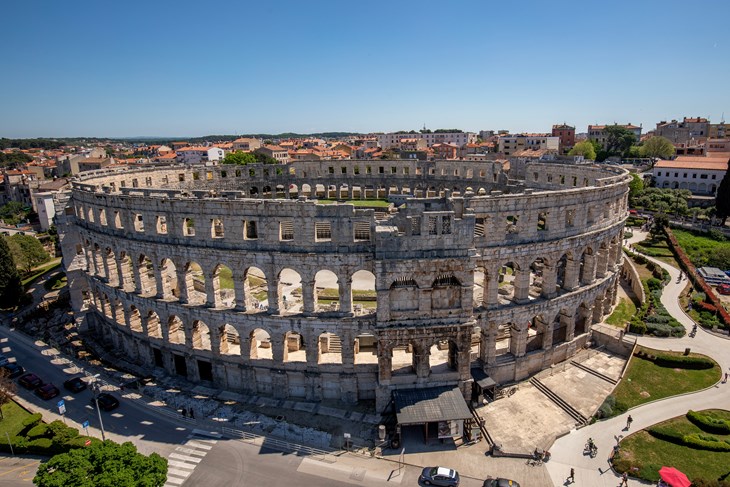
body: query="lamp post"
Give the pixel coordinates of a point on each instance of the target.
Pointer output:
(95, 390)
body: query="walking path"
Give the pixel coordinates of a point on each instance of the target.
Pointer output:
(566, 451)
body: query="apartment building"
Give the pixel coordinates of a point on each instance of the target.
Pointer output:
(278, 153)
(393, 140)
(246, 144)
(566, 135)
(509, 144)
(211, 156)
(689, 129)
(599, 134)
(701, 175)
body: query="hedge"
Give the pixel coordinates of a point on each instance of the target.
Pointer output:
(695, 440)
(708, 423)
(45, 439)
(683, 362)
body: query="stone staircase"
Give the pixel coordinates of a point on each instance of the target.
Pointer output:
(335, 344)
(559, 401)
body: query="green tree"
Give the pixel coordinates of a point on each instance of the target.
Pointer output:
(10, 285)
(7, 389)
(618, 140)
(240, 158)
(27, 251)
(660, 221)
(636, 187)
(657, 148)
(13, 212)
(722, 198)
(106, 464)
(584, 148)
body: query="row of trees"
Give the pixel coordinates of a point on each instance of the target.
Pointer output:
(17, 253)
(242, 158)
(6, 143)
(622, 142)
(14, 159)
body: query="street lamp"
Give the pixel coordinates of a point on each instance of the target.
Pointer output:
(95, 389)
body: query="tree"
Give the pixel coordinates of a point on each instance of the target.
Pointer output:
(636, 186)
(7, 389)
(657, 148)
(618, 140)
(722, 198)
(657, 229)
(584, 148)
(10, 285)
(240, 158)
(27, 251)
(106, 464)
(13, 212)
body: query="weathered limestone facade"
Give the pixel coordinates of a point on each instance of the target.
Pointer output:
(213, 273)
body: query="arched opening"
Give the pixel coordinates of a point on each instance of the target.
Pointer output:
(254, 191)
(587, 266)
(366, 349)
(106, 307)
(307, 190)
(147, 281)
(480, 286)
(326, 291)
(280, 193)
(118, 309)
(195, 283)
(403, 360)
(290, 291)
(560, 268)
(256, 289)
(535, 333)
(560, 327)
(201, 335)
(330, 349)
(266, 192)
(293, 191)
(537, 277)
(364, 296)
(582, 319)
(443, 357)
(225, 296)
(111, 265)
(154, 329)
(403, 295)
(506, 280)
(504, 339)
(125, 262)
(230, 340)
(294, 347)
(260, 345)
(216, 228)
(445, 292)
(175, 331)
(168, 272)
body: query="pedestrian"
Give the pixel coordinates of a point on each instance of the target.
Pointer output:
(184, 413)
(629, 420)
(571, 477)
(192, 415)
(625, 479)
(725, 379)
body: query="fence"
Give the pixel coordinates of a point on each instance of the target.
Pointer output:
(279, 445)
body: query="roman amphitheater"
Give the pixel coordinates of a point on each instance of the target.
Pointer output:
(345, 280)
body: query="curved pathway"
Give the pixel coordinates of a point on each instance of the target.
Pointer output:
(566, 451)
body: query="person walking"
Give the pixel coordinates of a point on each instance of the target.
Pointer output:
(192, 415)
(184, 413)
(624, 480)
(571, 477)
(629, 420)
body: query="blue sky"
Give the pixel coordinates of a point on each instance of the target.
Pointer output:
(179, 68)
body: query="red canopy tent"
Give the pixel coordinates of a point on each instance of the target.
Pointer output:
(674, 477)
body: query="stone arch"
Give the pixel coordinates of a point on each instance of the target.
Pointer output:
(106, 306)
(256, 289)
(147, 281)
(201, 335)
(364, 295)
(294, 347)
(587, 267)
(154, 327)
(260, 343)
(536, 333)
(195, 283)
(111, 271)
(583, 318)
(539, 272)
(506, 282)
(329, 348)
(291, 291)
(230, 340)
(168, 273)
(223, 288)
(306, 190)
(326, 291)
(445, 292)
(126, 271)
(175, 331)
(403, 359)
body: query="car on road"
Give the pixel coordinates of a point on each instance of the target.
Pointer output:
(13, 369)
(47, 391)
(74, 384)
(500, 483)
(441, 476)
(107, 402)
(30, 381)
(3, 360)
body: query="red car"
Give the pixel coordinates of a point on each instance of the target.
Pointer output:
(723, 289)
(47, 391)
(30, 381)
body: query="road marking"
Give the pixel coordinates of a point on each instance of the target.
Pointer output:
(191, 451)
(174, 481)
(187, 458)
(195, 444)
(13, 470)
(179, 472)
(183, 465)
(176, 463)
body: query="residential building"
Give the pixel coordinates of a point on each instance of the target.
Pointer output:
(412, 144)
(393, 140)
(700, 175)
(278, 153)
(179, 145)
(246, 144)
(210, 156)
(718, 130)
(445, 151)
(689, 129)
(90, 164)
(566, 135)
(42, 198)
(717, 145)
(509, 144)
(599, 134)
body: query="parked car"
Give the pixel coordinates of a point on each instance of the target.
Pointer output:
(47, 391)
(75, 384)
(4, 360)
(441, 476)
(13, 369)
(500, 483)
(723, 289)
(30, 381)
(107, 402)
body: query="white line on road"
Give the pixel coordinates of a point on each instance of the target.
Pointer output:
(187, 458)
(175, 463)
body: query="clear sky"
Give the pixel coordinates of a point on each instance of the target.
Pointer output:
(181, 68)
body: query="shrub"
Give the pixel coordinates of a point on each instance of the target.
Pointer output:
(666, 434)
(654, 284)
(708, 423)
(637, 327)
(700, 482)
(704, 442)
(38, 431)
(42, 446)
(32, 420)
(606, 409)
(684, 362)
(659, 329)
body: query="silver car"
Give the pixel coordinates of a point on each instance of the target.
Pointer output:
(440, 476)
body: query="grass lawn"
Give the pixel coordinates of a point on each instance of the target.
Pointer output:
(367, 203)
(38, 271)
(659, 249)
(703, 250)
(56, 282)
(649, 454)
(12, 422)
(645, 381)
(623, 313)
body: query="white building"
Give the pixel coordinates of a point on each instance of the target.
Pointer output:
(45, 209)
(701, 175)
(200, 155)
(509, 144)
(460, 139)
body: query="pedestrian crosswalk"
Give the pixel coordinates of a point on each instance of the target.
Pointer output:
(182, 462)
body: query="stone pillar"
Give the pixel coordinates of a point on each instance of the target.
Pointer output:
(347, 341)
(522, 285)
(160, 288)
(311, 349)
(215, 340)
(571, 274)
(123, 284)
(569, 322)
(547, 335)
(308, 305)
(273, 285)
(608, 302)
(182, 284)
(138, 279)
(240, 292)
(602, 263)
(490, 299)
(105, 265)
(597, 311)
(422, 359)
(589, 269)
(385, 362)
(211, 296)
(549, 281)
(345, 294)
(488, 343)
(91, 262)
(518, 341)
